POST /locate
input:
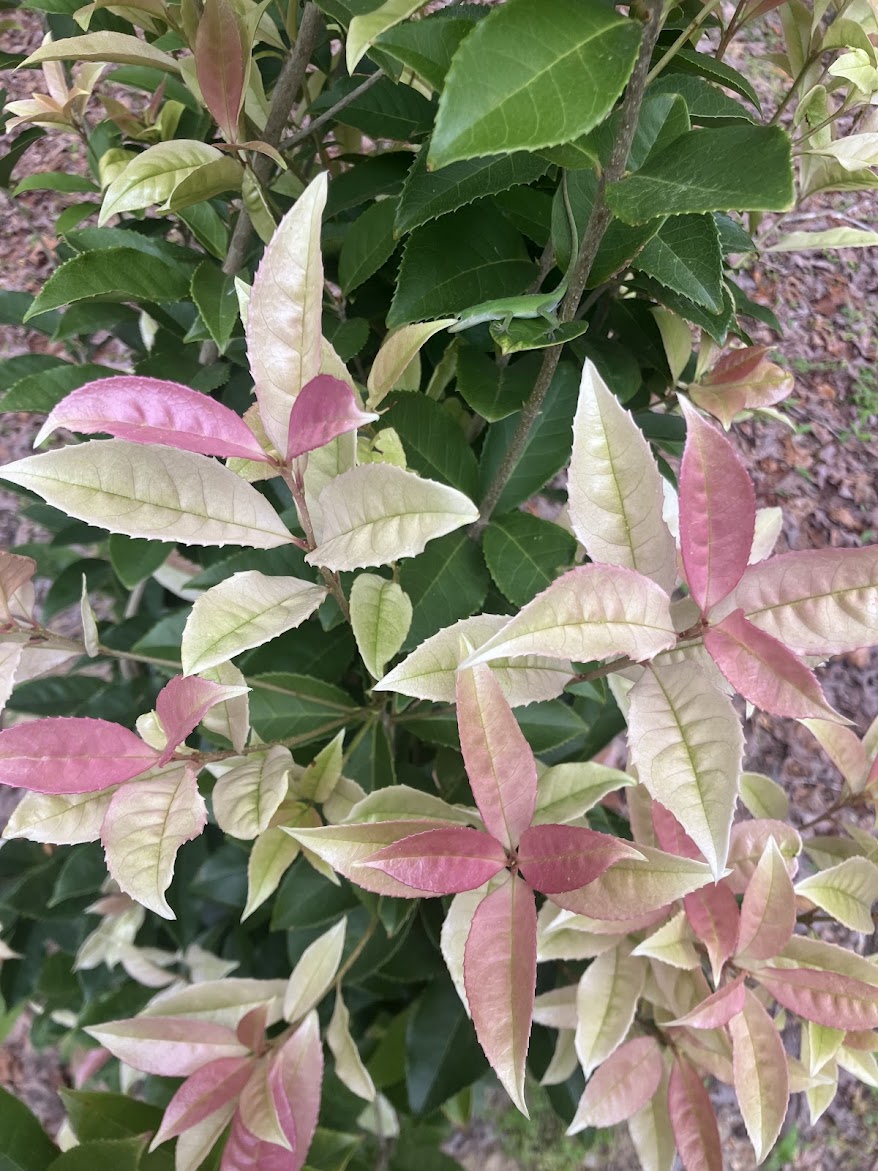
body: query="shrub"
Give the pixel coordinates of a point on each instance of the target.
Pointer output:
(322, 762)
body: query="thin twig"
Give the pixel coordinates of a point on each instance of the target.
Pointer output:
(328, 115)
(294, 482)
(594, 233)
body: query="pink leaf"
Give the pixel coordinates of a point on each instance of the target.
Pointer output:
(670, 835)
(693, 1120)
(15, 571)
(621, 1086)
(169, 1046)
(765, 672)
(713, 915)
(500, 972)
(220, 64)
(71, 755)
(498, 759)
(203, 1092)
(150, 410)
(87, 1063)
(183, 703)
(717, 512)
(556, 858)
(324, 408)
(717, 1009)
(827, 998)
(251, 1028)
(445, 861)
(768, 912)
(295, 1077)
(747, 843)
(245, 1152)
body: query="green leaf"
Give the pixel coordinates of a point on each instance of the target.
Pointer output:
(446, 582)
(97, 1116)
(372, 176)
(704, 65)
(461, 260)
(364, 28)
(12, 370)
(442, 1055)
(119, 274)
(284, 706)
(707, 103)
(530, 76)
(105, 46)
(24, 1145)
(523, 335)
(427, 46)
(370, 763)
(550, 724)
(369, 243)
(171, 175)
(135, 560)
(685, 256)
(715, 324)
(434, 444)
(428, 195)
(102, 1155)
(548, 445)
(54, 181)
(23, 142)
(307, 899)
(102, 239)
(385, 111)
(525, 554)
(42, 391)
(492, 390)
(381, 614)
(216, 300)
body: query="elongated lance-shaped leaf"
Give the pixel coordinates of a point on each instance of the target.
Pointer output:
(381, 614)
(244, 611)
(588, 613)
(621, 1086)
(615, 488)
(173, 174)
(687, 745)
(397, 350)
(221, 64)
(500, 973)
(183, 703)
(60, 819)
(117, 48)
(144, 828)
(377, 513)
(246, 798)
(765, 672)
(693, 1119)
(169, 1046)
(556, 858)
(717, 1009)
(764, 797)
(498, 759)
(313, 975)
(606, 1001)
(713, 915)
(365, 28)
(444, 861)
(297, 1076)
(632, 887)
(325, 408)
(567, 791)
(153, 410)
(844, 748)
(284, 324)
(223, 1001)
(71, 755)
(847, 892)
(828, 998)
(151, 492)
(823, 601)
(651, 1133)
(349, 1067)
(207, 1089)
(768, 910)
(673, 944)
(717, 512)
(761, 1074)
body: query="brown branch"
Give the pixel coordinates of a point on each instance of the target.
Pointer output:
(598, 223)
(328, 115)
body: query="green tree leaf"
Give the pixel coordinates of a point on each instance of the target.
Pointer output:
(118, 274)
(113, 47)
(685, 256)
(704, 65)
(494, 391)
(43, 390)
(102, 1155)
(365, 28)
(284, 706)
(427, 46)
(96, 1116)
(385, 111)
(158, 175)
(497, 97)
(24, 1145)
(214, 295)
(448, 581)
(441, 1050)
(434, 443)
(525, 554)
(368, 244)
(707, 103)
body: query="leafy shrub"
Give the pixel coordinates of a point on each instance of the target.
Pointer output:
(497, 244)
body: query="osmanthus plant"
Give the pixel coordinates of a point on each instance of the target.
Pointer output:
(339, 701)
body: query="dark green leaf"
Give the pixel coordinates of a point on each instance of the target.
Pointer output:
(102, 1155)
(369, 243)
(549, 725)
(41, 392)
(120, 274)
(434, 444)
(17, 148)
(616, 365)
(214, 295)
(492, 390)
(746, 307)
(530, 76)
(82, 873)
(685, 256)
(66, 589)
(384, 111)
(706, 65)
(428, 195)
(426, 46)
(12, 370)
(716, 324)
(370, 762)
(14, 308)
(521, 336)
(134, 559)
(283, 706)
(208, 228)
(24, 1145)
(462, 259)
(446, 582)
(663, 117)
(288, 562)
(373, 176)
(732, 237)
(308, 899)
(95, 1116)
(89, 317)
(103, 239)
(525, 554)
(347, 337)
(442, 1055)
(323, 653)
(707, 103)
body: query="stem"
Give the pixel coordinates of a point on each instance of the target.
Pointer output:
(788, 97)
(731, 30)
(835, 807)
(681, 40)
(357, 952)
(594, 233)
(333, 583)
(328, 115)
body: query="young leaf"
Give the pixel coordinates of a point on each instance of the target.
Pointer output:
(633, 887)
(71, 755)
(397, 350)
(284, 327)
(566, 792)
(365, 28)
(500, 968)
(144, 828)
(557, 858)
(246, 610)
(672, 944)
(693, 1119)
(183, 703)
(221, 60)
(208, 1089)
(349, 1067)
(231, 718)
(717, 1009)
(768, 911)
(150, 410)
(764, 797)
(272, 855)
(297, 1074)
(765, 672)
(606, 1001)
(744, 379)
(381, 614)
(169, 1046)
(588, 613)
(116, 48)
(621, 1086)
(824, 601)
(651, 1133)
(376, 513)
(497, 99)
(761, 1075)
(844, 748)
(444, 861)
(246, 798)
(717, 512)
(847, 892)
(325, 408)
(59, 819)
(687, 745)
(172, 174)
(615, 488)
(151, 492)
(712, 912)
(825, 997)
(313, 975)
(501, 767)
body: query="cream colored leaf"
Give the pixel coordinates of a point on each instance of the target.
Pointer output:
(231, 718)
(396, 352)
(761, 1075)
(566, 792)
(381, 614)
(606, 1001)
(349, 1067)
(769, 524)
(244, 611)
(90, 638)
(153, 492)
(846, 892)
(59, 819)
(246, 798)
(364, 29)
(10, 656)
(651, 1133)
(313, 975)
(396, 802)
(764, 797)
(844, 748)
(671, 944)
(377, 513)
(225, 1002)
(114, 48)
(273, 853)
(319, 779)
(687, 745)
(823, 1044)
(615, 487)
